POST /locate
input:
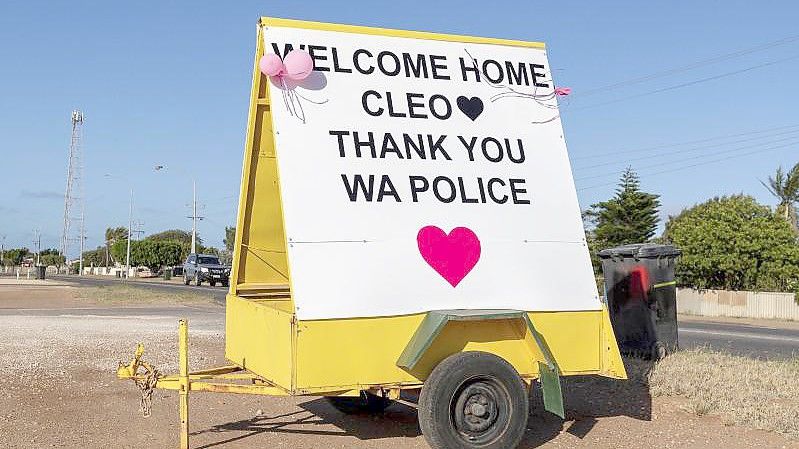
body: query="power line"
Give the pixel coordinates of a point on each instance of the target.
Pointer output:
(679, 144)
(691, 66)
(137, 229)
(690, 150)
(693, 165)
(791, 141)
(687, 84)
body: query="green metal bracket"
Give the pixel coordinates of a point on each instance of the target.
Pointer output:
(550, 387)
(434, 323)
(664, 284)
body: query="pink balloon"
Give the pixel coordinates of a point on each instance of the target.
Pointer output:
(299, 65)
(271, 65)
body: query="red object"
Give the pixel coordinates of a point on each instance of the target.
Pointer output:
(639, 283)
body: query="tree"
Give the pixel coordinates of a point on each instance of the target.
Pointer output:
(734, 243)
(14, 256)
(153, 254)
(112, 236)
(94, 257)
(119, 251)
(230, 238)
(178, 235)
(786, 188)
(631, 216)
(212, 250)
(52, 256)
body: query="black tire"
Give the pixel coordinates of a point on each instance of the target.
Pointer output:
(473, 400)
(197, 280)
(225, 283)
(213, 283)
(365, 403)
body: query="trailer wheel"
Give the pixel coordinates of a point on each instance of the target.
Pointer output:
(473, 400)
(365, 403)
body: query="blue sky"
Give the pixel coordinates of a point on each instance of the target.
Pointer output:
(167, 83)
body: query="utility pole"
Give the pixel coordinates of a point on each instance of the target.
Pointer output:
(138, 229)
(2, 250)
(73, 195)
(38, 243)
(194, 217)
(82, 240)
(130, 231)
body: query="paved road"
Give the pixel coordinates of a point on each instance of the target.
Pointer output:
(218, 292)
(210, 318)
(763, 342)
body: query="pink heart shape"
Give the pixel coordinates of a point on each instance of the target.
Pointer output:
(452, 255)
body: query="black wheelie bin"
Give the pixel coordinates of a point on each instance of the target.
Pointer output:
(642, 298)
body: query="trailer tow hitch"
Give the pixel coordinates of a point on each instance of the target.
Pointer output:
(146, 381)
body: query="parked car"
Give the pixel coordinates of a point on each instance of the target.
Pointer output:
(200, 268)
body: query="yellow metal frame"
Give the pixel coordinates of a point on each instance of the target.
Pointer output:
(273, 353)
(375, 31)
(342, 355)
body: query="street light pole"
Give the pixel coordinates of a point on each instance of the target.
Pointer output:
(82, 241)
(38, 243)
(130, 229)
(193, 217)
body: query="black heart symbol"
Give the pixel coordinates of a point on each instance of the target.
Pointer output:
(472, 107)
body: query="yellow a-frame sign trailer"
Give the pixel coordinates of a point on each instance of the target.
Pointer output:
(467, 300)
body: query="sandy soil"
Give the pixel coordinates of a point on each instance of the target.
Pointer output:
(59, 390)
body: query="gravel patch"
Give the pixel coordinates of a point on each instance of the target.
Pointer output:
(41, 349)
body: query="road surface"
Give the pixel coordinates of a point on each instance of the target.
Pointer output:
(217, 292)
(764, 341)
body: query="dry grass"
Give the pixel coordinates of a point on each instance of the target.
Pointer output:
(743, 391)
(141, 295)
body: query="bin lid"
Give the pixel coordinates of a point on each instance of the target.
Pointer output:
(641, 251)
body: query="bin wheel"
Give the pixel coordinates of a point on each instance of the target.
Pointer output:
(365, 403)
(658, 351)
(473, 400)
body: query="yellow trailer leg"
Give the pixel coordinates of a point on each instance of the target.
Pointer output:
(183, 343)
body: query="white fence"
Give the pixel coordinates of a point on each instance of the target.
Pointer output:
(737, 304)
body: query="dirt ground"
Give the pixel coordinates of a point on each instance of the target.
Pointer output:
(58, 356)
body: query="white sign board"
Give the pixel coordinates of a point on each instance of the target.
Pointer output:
(422, 174)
